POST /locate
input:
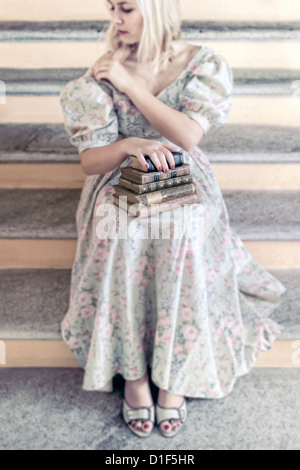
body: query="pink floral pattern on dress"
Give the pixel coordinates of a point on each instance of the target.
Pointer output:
(197, 311)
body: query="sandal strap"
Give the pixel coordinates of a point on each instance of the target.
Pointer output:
(167, 414)
(140, 414)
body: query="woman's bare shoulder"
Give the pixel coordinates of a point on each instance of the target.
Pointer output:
(184, 52)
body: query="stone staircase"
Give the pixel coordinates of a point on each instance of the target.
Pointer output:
(255, 157)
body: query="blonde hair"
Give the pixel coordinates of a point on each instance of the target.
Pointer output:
(162, 25)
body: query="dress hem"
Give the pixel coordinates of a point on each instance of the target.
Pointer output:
(270, 328)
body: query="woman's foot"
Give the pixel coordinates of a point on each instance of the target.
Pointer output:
(168, 400)
(137, 394)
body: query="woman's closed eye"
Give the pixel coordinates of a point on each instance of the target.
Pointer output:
(122, 9)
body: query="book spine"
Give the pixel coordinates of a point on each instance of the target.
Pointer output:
(139, 177)
(158, 196)
(167, 206)
(167, 194)
(144, 211)
(135, 163)
(155, 186)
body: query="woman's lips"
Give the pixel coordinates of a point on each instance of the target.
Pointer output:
(122, 32)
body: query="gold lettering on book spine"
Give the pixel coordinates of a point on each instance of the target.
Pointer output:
(168, 194)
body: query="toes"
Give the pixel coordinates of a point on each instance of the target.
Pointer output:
(138, 425)
(166, 426)
(174, 426)
(147, 426)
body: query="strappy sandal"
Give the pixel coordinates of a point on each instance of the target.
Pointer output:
(172, 415)
(138, 414)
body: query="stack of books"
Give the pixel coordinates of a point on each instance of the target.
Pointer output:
(151, 191)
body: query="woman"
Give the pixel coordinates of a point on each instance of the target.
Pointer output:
(196, 313)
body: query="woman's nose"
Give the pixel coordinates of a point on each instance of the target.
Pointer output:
(116, 19)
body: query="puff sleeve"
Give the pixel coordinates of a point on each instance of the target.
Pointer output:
(88, 108)
(207, 95)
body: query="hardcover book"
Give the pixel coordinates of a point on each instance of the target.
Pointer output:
(137, 176)
(146, 211)
(156, 186)
(156, 197)
(135, 163)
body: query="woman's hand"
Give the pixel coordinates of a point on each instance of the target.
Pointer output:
(111, 69)
(158, 152)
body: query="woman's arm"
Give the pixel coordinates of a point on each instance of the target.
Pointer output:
(177, 127)
(101, 160)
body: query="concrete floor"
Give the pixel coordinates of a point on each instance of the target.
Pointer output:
(44, 409)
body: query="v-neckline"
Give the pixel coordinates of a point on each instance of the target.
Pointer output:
(187, 66)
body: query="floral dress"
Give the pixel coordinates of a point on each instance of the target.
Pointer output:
(196, 310)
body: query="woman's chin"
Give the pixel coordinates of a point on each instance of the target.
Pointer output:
(129, 41)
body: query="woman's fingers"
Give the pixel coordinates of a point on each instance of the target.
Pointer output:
(101, 69)
(168, 149)
(163, 160)
(170, 158)
(156, 161)
(153, 157)
(142, 159)
(104, 65)
(160, 155)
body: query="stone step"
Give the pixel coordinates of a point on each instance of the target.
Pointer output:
(247, 110)
(17, 157)
(49, 82)
(241, 54)
(93, 10)
(54, 413)
(59, 176)
(50, 214)
(54, 353)
(231, 143)
(230, 176)
(34, 302)
(196, 30)
(60, 253)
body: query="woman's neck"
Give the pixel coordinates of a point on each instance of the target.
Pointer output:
(133, 53)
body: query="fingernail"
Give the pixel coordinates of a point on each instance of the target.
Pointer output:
(173, 166)
(166, 170)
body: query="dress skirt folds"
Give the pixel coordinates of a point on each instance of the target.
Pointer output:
(195, 308)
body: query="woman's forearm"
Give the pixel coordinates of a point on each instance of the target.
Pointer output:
(177, 127)
(101, 160)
